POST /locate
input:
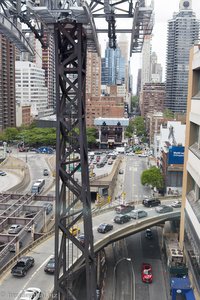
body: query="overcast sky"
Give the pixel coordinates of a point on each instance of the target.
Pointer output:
(164, 10)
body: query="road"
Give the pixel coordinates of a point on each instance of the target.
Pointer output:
(36, 276)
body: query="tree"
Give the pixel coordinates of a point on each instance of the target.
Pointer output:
(91, 136)
(168, 114)
(139, 126)
(153, 177)
(134, 101)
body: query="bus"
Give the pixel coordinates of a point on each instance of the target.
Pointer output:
(38, 186)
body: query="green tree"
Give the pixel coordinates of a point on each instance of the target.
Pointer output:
(10, 133)
(153, 178)
(91, 136)
(134, 101)
(168, 114)
(139, 126)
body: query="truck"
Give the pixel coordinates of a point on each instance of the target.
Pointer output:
(22, 266)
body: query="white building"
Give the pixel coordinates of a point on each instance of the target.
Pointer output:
(30, 87)
(178, 134)
(190, 217)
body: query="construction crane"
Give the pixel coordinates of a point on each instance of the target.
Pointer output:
(72, 22)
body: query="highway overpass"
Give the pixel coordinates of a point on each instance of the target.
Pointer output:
(43, 249)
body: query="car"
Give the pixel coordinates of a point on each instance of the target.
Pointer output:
(31, 293)
(162, 209)
(12, 247)
(121, 219)
(15, 229)
(142, 155)
(50, 266)
(176, 204)
(137, 214)
(151, 202)
(75, 230)
(2, 173)
(146, 273)
(104, 227)
(124, 208)
(81, 239)
(45, 172)
(22, 266)
(121, 171)
(148, 234)
(48, 207)
(30, 214)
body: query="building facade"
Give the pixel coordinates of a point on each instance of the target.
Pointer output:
(183, 30)
(7, 84)
(152, 98)
(30, 87)
(113, 69)
(190, 216)
(111, 132)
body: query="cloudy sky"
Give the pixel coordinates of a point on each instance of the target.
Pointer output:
(164, 10)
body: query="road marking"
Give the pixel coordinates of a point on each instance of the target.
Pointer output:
(24, 287)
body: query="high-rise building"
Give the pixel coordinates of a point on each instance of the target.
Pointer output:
(190, 216)
(30, 87)
(43, 58)
(7, 84)
(113, 67)
(93, 75)
(183, 30)
(152, 98)
(156, 69)
(146, 61)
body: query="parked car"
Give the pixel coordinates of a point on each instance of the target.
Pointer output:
(146, 273)
(120, 219)
(104, 227)
(50, 266)
(48, 207)
(148, 234)
(163, 209)
(2, 173)
(137, 214)
(45, 172)
(124, 208)
(22, 266)
(12, 247)
(176, 204)
(81, 239)
(15, 229)
(151, 202)
(75, 230)
(31, 293)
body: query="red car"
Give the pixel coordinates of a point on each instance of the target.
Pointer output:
(147, 275)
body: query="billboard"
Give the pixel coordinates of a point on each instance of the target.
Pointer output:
(176, 155)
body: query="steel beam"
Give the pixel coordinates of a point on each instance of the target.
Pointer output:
(70, 43)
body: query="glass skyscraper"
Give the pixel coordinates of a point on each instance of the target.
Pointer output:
(113, 67)
(183, 31)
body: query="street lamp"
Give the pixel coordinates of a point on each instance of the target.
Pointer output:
(133, 275)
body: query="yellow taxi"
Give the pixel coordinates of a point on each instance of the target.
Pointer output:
(75, 230)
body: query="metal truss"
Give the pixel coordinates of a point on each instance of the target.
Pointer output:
(73, 200)
(74, 29)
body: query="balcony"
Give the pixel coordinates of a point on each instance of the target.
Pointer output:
(195, 204)
(195, 150)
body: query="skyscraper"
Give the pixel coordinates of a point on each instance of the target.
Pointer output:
(183, 30)
(7, 84)
(146, 61)
(113, 69)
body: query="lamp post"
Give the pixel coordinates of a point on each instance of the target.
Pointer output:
(133, 275)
